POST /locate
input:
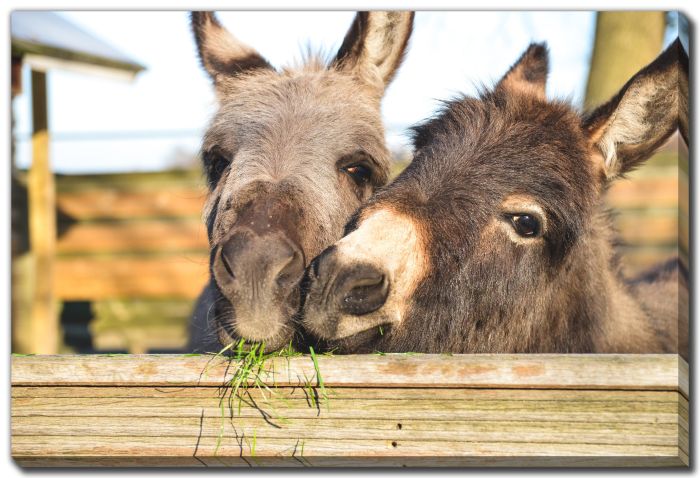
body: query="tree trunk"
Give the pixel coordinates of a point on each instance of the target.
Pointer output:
(624, 43)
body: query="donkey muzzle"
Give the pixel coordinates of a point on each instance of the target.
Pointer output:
(259, 275)
(342, 296)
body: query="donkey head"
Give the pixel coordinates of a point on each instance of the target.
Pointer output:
(288, 157)
(492, 239)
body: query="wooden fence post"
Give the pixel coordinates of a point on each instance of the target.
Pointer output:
(44, 328)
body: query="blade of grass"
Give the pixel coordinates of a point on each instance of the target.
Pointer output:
(319, 377)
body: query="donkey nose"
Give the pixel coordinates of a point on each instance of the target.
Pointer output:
(262, 262)
(361, 289)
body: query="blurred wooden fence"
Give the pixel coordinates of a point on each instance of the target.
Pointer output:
(133, 248)
(650, 210)
(134, 245)
(131, 235)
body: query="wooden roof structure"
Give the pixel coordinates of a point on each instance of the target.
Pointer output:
(46, 40)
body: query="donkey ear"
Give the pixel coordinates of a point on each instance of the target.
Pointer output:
(221, 54)
(643, 114)
(374, 46)
(529, 74)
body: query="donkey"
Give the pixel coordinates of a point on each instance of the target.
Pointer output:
(495, 238)
(288, 157)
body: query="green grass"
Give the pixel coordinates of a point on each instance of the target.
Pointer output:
(319, 377)
(253, 368)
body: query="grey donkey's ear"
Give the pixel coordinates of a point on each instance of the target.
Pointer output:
(643, 114)
(222, 55)
(528, 75)
(374, 46)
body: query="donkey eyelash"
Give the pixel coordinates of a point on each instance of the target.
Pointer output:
(356, 157)
(215, 154)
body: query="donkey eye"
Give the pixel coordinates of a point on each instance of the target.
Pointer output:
(215, 163)
(525, 225)
(219, 166)
(359, 173)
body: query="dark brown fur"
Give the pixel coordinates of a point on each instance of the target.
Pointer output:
(482, 288)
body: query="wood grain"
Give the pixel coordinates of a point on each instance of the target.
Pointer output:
(544, 371)
(391, 410)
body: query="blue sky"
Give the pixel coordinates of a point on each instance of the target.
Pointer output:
(168, 106)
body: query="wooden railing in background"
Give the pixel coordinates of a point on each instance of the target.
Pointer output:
(390, 410)
(131, 236)
(135, 246)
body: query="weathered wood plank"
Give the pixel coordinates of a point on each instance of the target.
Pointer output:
(298, 393)
(169, 180)
(364, 462)
(573, 411)
(368, 403)
(169, 200)
(459, 410)
(571, 371)
(351, 428)
(91, 449)
(279, 415)
(134, 236)
(645, 228)
(644, 192)
(180, 275)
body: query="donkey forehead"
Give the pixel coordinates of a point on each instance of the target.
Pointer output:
(506, 145)
(470, 160)
(307, 110)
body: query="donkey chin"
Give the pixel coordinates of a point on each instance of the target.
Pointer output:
(268, 324)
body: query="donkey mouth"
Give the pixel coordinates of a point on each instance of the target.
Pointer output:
(327, 326)
(270, 326)
(230, 336)
(364, 341)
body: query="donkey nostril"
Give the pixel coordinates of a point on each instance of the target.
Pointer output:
(321, 265)
(227, 266)
(362, 291)
(232, 252)
(292, 272)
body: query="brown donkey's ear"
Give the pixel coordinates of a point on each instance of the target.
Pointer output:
(529, 74)
(643, 114)
(221, 54)
(374, 46)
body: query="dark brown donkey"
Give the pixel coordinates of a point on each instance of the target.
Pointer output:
(289, 156)
(496, 239)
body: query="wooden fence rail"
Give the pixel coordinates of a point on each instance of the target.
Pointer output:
(369, 410)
